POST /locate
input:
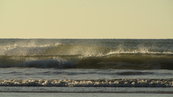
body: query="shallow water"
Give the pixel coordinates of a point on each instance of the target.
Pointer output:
(24, 89)
(83, 95)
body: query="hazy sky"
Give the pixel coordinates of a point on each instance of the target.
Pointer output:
(86, 18)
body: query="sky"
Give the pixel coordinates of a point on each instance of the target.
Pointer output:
(141, 19)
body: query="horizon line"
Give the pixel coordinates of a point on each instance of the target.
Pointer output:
(85, 38)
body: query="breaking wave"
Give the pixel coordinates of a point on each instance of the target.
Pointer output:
(69, 53)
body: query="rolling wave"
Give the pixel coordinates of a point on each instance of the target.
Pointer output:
(68, 53)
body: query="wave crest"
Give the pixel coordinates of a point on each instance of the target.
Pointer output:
(83, 50)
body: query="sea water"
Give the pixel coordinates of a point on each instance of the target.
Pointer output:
(85, 59)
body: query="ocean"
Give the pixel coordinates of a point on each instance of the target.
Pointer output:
(95, 63)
